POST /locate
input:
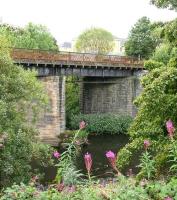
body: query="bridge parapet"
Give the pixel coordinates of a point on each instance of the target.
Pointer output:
(59, 57)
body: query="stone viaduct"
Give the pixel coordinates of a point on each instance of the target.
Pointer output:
(109, 84)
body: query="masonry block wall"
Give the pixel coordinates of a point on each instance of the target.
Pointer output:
(110, 95)
(52, 121)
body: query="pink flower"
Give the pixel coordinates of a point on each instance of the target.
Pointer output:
(82, 125)
(168, 198)
(88, 161)
(111, 156)
(56, 154)
(170, 128)
(146, 144)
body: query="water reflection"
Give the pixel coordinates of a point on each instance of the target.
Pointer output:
(98, 146)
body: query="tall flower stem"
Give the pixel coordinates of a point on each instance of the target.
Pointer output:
(89, 177)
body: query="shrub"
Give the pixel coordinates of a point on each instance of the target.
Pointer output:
(124, 189)
(151, 64)
(22, 97)
(156, 105)
(102, 123)
(161, 190)
(20, 192)
(16, 156)
(42, 154)
(162, 53)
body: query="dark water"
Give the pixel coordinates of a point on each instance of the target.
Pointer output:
(97, 147)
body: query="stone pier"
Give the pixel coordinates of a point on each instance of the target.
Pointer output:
(109, 95)
(52, 121)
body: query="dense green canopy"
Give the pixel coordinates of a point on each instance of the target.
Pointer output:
(171, 4)
(31, 36)
(95, 40)
(21, 97)
(141, 42)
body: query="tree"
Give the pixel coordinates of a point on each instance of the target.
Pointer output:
(166, 52)
(20, 94)
(170, 32)
(140, 41)
(171, 4)
(95, 40)
(162, 53)
(156, 104)
(31, 37)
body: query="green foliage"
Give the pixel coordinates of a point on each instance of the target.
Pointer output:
(123, 189)
(31, 36)
(161, 190)
(162, 53)
(103, 123)
(171, 4)
(170, 32)
(82, 134)
(141, 42)
(173, 62)
(147, 166)
(95, 40)
(51, 194)
(126, 154)
(151, 64)
(159, 85)
(15, 158)
(42, 154)
(172, 156)
(156, 104)
(72, 99)
(19, 93)
(67, 173)
(21, 99)
(166, 52)
(126, 189)
(20, 192)
(71, 176)
(157, 31)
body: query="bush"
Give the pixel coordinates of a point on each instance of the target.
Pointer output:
(22, 97)
(151, 64)
(15, 158)
(162, 53)
(123, 189)
(102, 123)
(156, 105)
(161, 190)
(20, 192)
(17, 154)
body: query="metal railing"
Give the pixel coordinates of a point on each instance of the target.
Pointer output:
(73, 57)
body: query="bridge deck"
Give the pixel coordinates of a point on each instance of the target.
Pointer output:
(41, 56)
(72, 63)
